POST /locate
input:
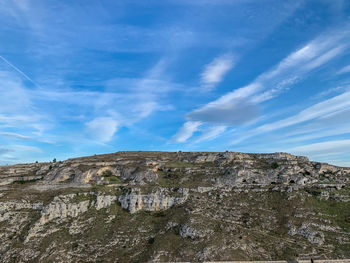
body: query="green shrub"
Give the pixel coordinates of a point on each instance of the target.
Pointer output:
(274, 165)
(22, 181)
(113, 180)
(151, 240)
(107, 173)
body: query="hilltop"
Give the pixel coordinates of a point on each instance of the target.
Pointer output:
(174, 206)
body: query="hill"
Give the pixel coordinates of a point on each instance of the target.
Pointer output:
(174, 206)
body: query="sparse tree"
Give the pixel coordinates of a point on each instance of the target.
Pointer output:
(54, 160)
(274, 165)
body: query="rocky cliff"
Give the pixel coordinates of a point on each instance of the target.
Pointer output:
(162, 206)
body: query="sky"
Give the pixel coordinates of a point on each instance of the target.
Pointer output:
(86, 77)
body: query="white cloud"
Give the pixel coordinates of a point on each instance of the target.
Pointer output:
(102, 128)
(215, 71)
(326, 108)
(25, 148)
(235, 113)
(320, 134)
(328, 147)
(15, 135)
(239, 106)
(322, 59)
(341, 163)
(14, 95)
(344, 70)
(186, 131)
(4, 151)
(337, 89)
(18, 70)
(38, 109)
(330, 106)
(211, 133)
(17, 120)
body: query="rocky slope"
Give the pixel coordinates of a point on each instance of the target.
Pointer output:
(162, 206)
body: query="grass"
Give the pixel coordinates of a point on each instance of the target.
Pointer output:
(33, 217)
(113, 180)
(313, 191)
(176, 179)
(26, 181)
(337, 212)
(179, 164)
(80, 197)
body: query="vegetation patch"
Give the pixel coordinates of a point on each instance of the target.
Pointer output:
(313, 191)
(107, 173)
(22, 181)
(274, 165)
(113, 180)
(179, 164)
(335, 211)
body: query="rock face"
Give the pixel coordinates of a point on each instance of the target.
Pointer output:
(161, 199)
(306, 231)
(160, 206)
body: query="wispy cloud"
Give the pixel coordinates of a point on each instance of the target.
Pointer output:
(338, 89)
(102, 128)
(333, 105)
(344, 70)
(328, 147)
(216, 70)
(235, 112)
(287, 72)
(26, 148)
(210, 133)
(15, 135)
(318, 133)
(186, 131)
(14, 153)
(5, 151)
(326, 108)
(241, 105)
(123, 102)
(18, 70)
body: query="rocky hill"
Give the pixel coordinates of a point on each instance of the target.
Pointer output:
(167, 206)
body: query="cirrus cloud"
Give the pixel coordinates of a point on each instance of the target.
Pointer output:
(216, 70)
(102, 128)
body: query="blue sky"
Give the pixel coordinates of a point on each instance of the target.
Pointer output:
(88, 77)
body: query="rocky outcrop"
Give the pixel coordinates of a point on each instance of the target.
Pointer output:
(141, 168)
(307, 231)
(186, 231)
(62, 207)
(158, 200)
(103, 201)
(18, 205)
(67, 206)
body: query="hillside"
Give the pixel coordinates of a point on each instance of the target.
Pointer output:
(174, 206)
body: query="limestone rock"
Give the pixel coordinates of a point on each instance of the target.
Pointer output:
(103, 201)
(186, 231)
(159, 200)
(306, 230)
